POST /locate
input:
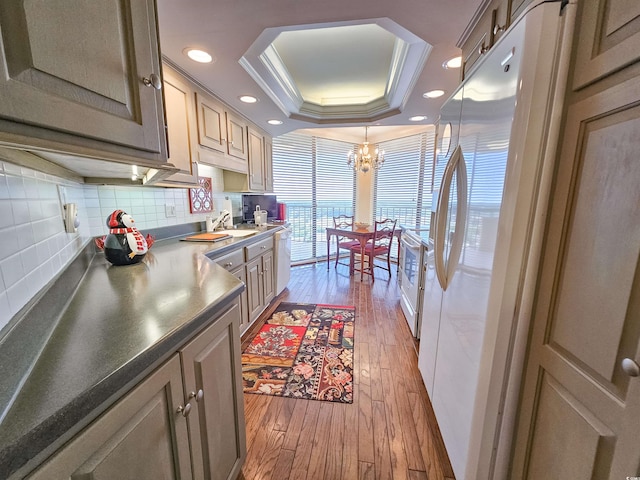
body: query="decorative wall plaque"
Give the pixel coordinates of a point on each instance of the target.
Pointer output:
(200, 199)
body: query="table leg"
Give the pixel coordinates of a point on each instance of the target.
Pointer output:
(362, 260)
(328, 248)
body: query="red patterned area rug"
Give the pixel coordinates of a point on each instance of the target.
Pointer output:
(303, 351)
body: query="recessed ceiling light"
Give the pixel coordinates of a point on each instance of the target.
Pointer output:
(418, 118)
(455, 62)
(248, 99)
(198, 55)
(274, 122)
(433, 94)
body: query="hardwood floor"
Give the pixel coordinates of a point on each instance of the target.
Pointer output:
(389, 431)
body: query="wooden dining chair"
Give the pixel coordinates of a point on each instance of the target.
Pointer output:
(343, 221)
(378, 246)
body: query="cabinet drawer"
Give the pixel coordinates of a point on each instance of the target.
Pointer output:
(232, 260)
(258, 248)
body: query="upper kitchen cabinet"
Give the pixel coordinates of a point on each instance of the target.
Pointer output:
(82, 77)
(268, 164)
(609, 39)
(222, 135)
(488, 25)
(259, 178)
(256, 160)
(182, 130)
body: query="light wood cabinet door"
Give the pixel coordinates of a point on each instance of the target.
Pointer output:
(255, 288)
(256, 161)
(181, 126)
(72, 74)
(268, 274)
(489, 26)
(221, 143)
(268, 165)
(212, 126)
(212, 380)
(142, 437)
(608, 38)
(581, 397)
(237, 137)
(241, 275)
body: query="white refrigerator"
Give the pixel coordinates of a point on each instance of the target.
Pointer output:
(497, 134)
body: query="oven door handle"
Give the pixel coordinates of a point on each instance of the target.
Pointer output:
(409, 242)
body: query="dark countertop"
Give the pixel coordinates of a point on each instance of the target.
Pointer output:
(119, 325)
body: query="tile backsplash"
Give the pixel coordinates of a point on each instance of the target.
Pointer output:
(34, 246)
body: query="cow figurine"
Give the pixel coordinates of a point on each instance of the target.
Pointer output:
(124, 245)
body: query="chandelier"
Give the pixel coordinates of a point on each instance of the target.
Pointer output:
(365, 159)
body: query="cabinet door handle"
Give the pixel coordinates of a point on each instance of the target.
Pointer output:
(198, 396)
(153, 81)
(499, 29)
(630, 367)
(184, 411)
(228, 264)
(263, 247)
(483, 49)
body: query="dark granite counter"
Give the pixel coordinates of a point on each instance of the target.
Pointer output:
(118, 325)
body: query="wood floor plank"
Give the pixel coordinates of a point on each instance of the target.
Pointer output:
(365, 425)
(305, 442)
(389, 431)
(416, 475)
(432, 464)
(335, 447)
(295, 425)
(382, 453)
(283, 465)
(350, 443)
(363, 367)
(410, 438)
(318, 458)
(395, 430)
(285, 414)
(253, 419)
(267, 464)
(366, 471)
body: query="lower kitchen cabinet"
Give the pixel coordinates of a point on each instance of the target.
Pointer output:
(212, 383)
(184, 421)
(140, 437)
(258, 274)
(260, 279)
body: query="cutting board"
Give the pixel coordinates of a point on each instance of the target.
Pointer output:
(207, 237)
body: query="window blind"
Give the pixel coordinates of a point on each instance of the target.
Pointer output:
(310, 175)
(403, 183)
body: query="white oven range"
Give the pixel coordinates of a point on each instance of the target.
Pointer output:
(413, 256)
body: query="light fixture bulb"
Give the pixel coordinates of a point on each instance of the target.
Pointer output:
(433, 94)
(199, 56)
(274, 122)
(248, 99)
(455, 62)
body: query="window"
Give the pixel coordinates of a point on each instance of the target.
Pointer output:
(404, 182)
(311, 177)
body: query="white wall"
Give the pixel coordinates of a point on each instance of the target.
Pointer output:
(34, 247)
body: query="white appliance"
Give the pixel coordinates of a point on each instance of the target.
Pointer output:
(411, 274)
(493, 174)
(283, 258)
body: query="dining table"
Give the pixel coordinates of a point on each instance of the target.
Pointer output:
(360, 233)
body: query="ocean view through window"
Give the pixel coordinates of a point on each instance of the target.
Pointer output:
(311, 177)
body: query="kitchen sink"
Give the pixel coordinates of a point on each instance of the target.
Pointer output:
(239, 233)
